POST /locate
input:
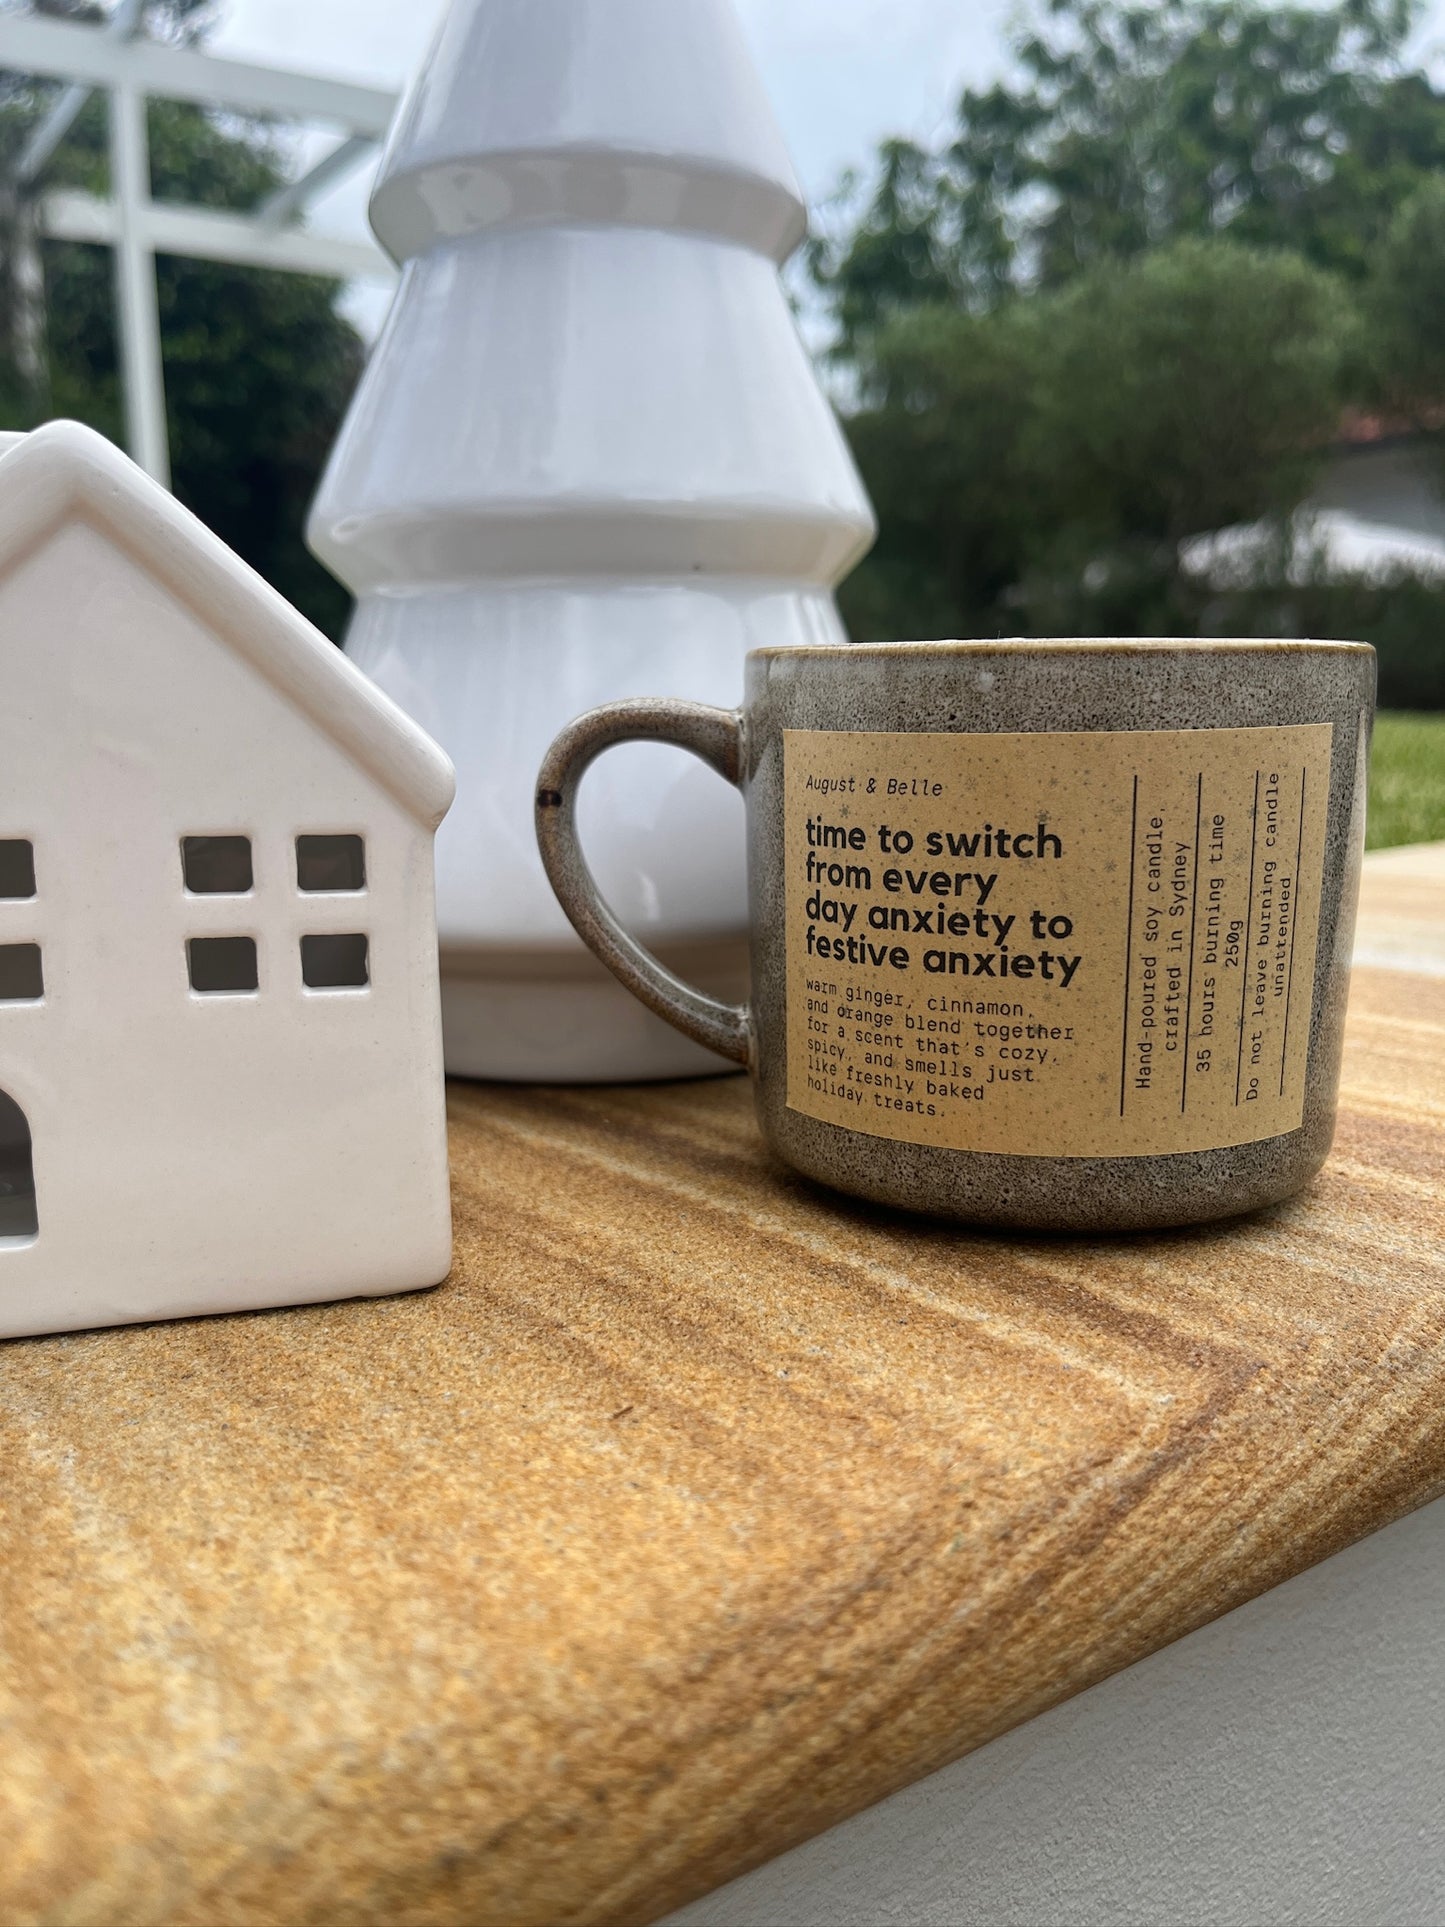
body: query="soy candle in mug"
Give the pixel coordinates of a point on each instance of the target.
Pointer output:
(1047, 934)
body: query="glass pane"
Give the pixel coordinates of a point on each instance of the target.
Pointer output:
(22, 980)
(335, 963)
(17, 1176)
(217, 866)
(222, 964)
(17, 867)
(330, 863)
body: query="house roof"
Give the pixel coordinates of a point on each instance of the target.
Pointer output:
(64, 470)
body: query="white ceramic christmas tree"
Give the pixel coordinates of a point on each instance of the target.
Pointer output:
(589, 459)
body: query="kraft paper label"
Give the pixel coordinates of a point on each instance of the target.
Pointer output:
(1082, 944)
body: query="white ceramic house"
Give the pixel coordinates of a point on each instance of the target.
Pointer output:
(220, 1041)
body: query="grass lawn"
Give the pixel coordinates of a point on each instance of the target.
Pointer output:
(1407, 780)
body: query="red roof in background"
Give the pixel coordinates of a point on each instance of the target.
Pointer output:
(1359, 429)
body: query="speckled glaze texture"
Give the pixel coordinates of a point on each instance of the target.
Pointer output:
(979, 688)
(986, 687)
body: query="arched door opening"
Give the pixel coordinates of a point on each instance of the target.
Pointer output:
(17, 1174)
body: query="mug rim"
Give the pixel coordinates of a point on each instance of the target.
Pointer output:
(1087, 645)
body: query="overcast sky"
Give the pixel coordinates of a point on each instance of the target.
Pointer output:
(842, 74)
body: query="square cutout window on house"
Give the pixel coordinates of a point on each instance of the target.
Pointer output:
(222, 966)
(328, 863)
(17, 1173)
(217, 866)
(17, 867)
(335, 963)
(22, 979)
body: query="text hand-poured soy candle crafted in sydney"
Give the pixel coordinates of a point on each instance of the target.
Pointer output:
(1049, 934)
(220, 1033)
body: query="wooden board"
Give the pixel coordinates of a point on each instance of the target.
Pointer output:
(696, 1511)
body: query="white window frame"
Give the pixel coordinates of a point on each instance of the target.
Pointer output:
(131, 71)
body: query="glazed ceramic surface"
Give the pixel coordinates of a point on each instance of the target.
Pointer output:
(220, 1047)
(1066, 692)
(589, 456)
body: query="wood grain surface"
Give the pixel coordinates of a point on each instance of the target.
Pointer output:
(698, 1509)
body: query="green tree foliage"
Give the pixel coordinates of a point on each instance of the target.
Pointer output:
(1406, 305)
(259, 366)
(1126, 304)
(1017, 451)
(1130, 125)
(1405, 311)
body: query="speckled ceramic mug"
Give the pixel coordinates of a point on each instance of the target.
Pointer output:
(1046, 934)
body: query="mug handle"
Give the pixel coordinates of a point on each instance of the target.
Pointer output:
(715, 735)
